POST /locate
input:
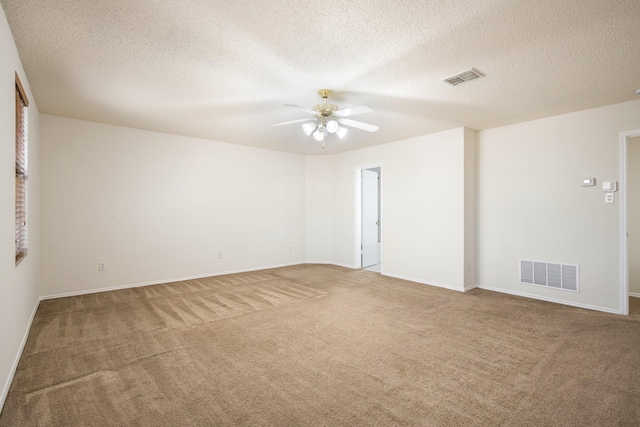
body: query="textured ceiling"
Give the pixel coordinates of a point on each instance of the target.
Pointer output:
(222, 70)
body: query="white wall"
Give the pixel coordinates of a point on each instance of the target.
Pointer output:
(18, 285)
(158, 207)
(319, 209)
(469, 208)
(423, 219)
(633, 214)
(531, 204)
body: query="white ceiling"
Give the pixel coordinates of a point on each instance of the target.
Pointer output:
(222, 70)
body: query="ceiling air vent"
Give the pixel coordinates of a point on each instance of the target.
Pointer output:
(464, 76)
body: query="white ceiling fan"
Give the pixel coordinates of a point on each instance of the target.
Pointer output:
(326, 119)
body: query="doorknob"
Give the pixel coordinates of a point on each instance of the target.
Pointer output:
(377, 222)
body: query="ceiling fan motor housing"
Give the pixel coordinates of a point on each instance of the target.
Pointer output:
(325, 110)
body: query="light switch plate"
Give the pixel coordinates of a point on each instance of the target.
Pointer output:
(609, 198)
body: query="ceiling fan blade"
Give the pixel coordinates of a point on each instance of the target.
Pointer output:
(359, 125)
(294, 121)
(306, 110)
(354, 110)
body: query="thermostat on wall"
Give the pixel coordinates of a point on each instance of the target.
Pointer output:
(609, 186)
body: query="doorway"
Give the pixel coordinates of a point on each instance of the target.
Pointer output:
(633, 225)
(629, 225)
(370, 224)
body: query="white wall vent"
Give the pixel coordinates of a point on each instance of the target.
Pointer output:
(464, 76)
(551, 275)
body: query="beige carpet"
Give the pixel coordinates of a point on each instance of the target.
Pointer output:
(322, 345)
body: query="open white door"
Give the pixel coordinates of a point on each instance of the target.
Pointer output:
(628, 230)
(370, 219)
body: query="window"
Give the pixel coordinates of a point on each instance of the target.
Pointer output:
(21, 172)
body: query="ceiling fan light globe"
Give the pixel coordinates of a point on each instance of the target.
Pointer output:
(318, 135)
(341, 132)
(332, 126)
(308, 128)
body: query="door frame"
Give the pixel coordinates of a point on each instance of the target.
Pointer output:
(624, 250)
(358, 214)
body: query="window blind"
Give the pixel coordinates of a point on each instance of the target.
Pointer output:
(21, 171)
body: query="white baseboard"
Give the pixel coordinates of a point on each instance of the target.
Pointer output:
(246, 270)
(424, 282)
(557, 301)
(337, 264)
(330, 263)
(158, 282)
(353, 267)
(14, 367)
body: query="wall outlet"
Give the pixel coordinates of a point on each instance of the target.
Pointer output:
(102, 266)
(609, 198)
(219, 255)
(467, 266)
